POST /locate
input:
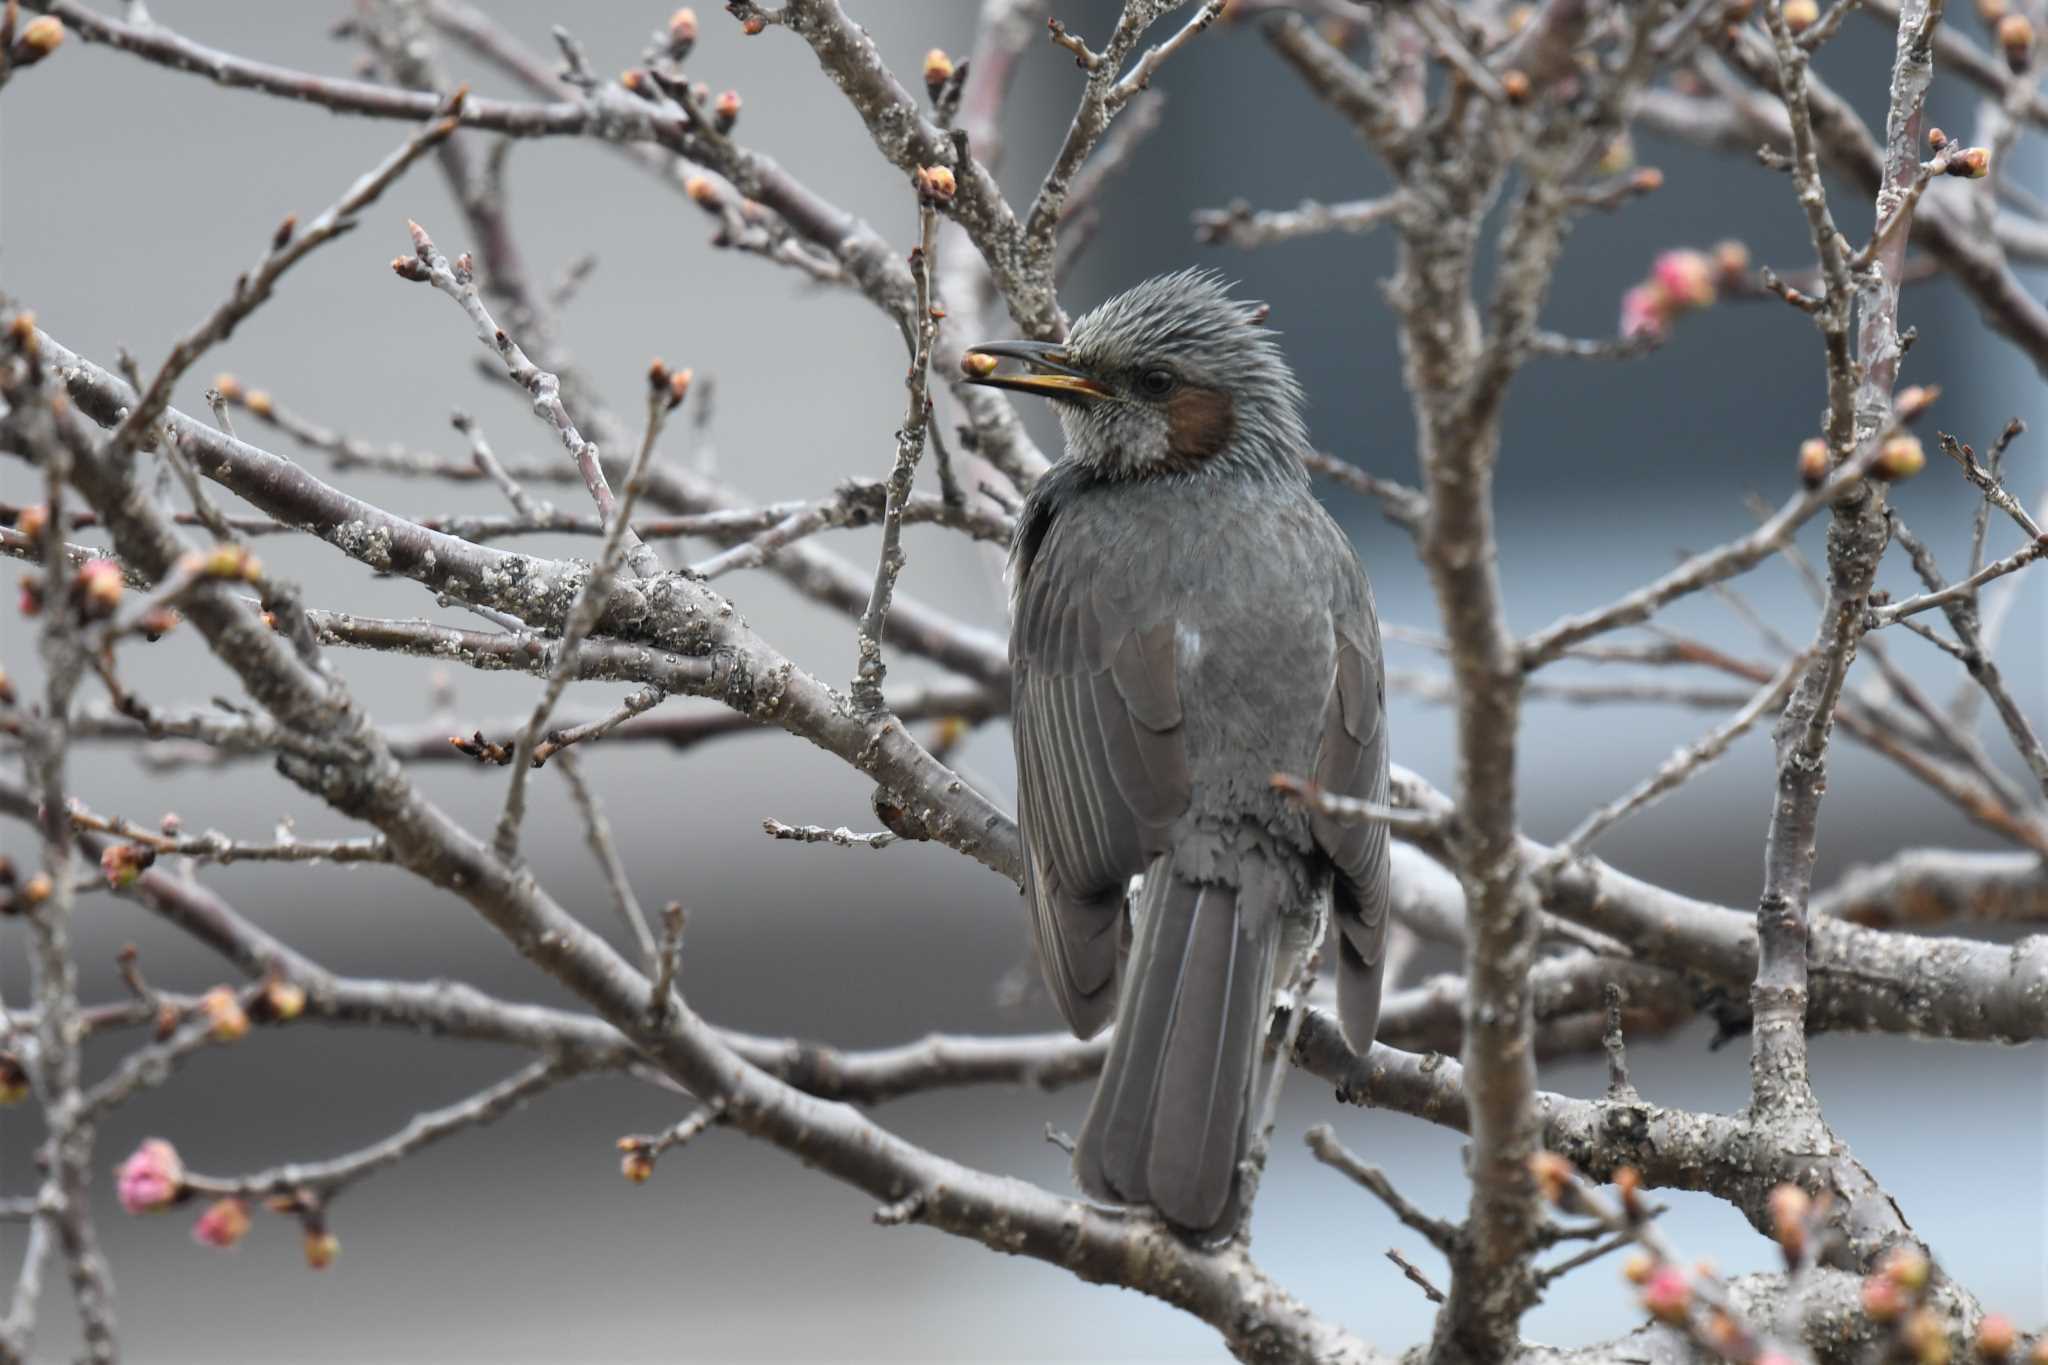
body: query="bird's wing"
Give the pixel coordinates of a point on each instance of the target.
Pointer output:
(1102, 770)
(1351, 760)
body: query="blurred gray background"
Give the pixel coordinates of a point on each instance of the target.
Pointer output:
(130, 196)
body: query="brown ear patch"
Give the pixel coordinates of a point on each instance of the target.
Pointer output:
(1199, 423)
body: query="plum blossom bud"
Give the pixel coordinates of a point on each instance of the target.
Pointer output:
(1637, 1267)
(282, 1000)
(38, 40)
(701, 191)
(2016, 39)
(1645, 313)
(1686, 276)
(6, 699)
(224, 1223)
(1901, 457)
(1514, 83)
(1801, 15)
(1813, 461)
(1882, 1301)
(1936, 139)
(935, 184)
(37, 889)
(13, 1079)
(636, 1165)
(1907, 1268)
(726, 111)
(1553, 1175)
(753, 25)
(1646, 180)
(682, 32)
(1995, 1337)
(1668, 1296)
(1790, 1205)
(322, 1247)
(1914, 399)
(227, 1021)
(1991, 11)
(31, 520)
(938, 69)
(1731, 260)
(99, 586)
(151, 1178)
(1926, 1336)
(30, 597)
(978, 365)
(1972, 163)
(122, 864)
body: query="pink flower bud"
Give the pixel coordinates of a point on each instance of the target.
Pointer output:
(152, 1178)
(1668, 1296)
(224, 1223)
(223, 1011)
(1687, 278)
(1645, 313)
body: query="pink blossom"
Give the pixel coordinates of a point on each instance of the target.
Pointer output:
(151, 1179)
(1687, 278)
(1644, 313)
(225, 1223)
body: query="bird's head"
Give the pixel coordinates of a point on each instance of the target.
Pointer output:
(1173, 377)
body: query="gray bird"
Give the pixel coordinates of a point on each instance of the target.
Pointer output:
(1187, 621)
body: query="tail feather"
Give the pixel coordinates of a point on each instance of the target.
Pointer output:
(1173, 1113)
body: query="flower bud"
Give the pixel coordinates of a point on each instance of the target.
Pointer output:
(1972, 163)
(1813, 461)
(1646, 180)
(1901, 458)
(753, 25)
(322, 1247)
(1731, 260)
(6, 699)
(935, 184)
(227, 1021)
(1686, 276)
(31, 520)
(1906, 1267)
(1791, 1206)
(158, 622)
(37, 889)
(13, 1079)
(1801, 15)
(1995, 1337)
(282, 1000)
(1514, 83)
(1667, 1295)
(637, 1166)
(1882, 1301)
(977, 365)
(2016, 38)
(701, 191)
(225, 1222)
(122, 864)
(38, 40)
(682, 32)
(1914, 399)
(151, 1178)
(726, 111)
(938, 69)
(1926, 1336)
(1991, 11)
(1645, 313)
(1553, 1175)
(1637, 1267)
(99, 587)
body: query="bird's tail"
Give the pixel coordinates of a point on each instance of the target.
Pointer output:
(1174, 1110)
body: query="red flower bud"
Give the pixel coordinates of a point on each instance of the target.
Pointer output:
(224, 1223)
(1668, 1295)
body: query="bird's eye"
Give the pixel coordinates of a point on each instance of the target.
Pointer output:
(1156, 383)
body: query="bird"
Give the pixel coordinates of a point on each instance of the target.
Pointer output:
(1187, 621)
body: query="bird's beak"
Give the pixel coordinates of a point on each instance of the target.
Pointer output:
(1051, 374)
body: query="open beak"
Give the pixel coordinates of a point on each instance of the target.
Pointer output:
(1050, 375)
